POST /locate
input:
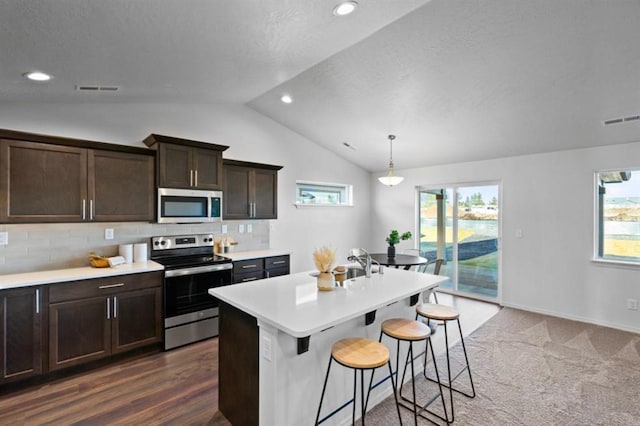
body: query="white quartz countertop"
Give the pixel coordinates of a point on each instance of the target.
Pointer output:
(72, 274)
(293, 304)
(253, 254)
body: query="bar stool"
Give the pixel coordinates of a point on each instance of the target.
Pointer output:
(359, 354)
(444, 313)
(407, 330)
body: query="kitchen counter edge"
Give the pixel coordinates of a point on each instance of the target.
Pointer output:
(254, 254)
(28, 279)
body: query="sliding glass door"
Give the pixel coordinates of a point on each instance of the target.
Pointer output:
(461, 224)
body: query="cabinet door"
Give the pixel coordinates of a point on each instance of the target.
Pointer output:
(265, 184)
(174, 169)
(42, 182)
(79, 331)
(236, 202)
(121, 186)
(207, 165)
(137, 319)
(20, 333)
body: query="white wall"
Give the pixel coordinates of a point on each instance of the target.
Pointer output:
(251, 137)
(550, 197)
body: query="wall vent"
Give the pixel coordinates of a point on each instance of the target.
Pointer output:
(97, 89)
(621, 120)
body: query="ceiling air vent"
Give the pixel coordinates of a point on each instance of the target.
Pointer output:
(97, 89)
(621, 120)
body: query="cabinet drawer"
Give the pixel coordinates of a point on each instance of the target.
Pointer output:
(276, 262)
(276, 272)
(245, 266)
(248, 276)
(103, 286)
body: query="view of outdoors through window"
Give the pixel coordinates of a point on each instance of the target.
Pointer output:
(619, 215)
(461, 225)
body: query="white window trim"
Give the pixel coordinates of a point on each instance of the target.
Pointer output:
(348, 188)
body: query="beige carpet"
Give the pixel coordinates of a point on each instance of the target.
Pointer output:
(532, 369)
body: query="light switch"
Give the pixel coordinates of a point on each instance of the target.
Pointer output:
(224, 229)
(249, 227)
(4, 238)
(108, 234)
(518, 233)
(241, 228)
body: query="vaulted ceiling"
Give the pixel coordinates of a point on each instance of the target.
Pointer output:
(454, 80)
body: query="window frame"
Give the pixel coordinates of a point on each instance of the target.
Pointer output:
(345, 190)
(598, 221)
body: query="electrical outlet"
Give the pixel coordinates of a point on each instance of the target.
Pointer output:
(241, 228)
(108, 234)
(4, 238)
(224, 229)
(266, 348)
(249, 227)
(632, 304)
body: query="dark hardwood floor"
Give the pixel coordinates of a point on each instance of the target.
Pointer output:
(175, 387)
(179, 387)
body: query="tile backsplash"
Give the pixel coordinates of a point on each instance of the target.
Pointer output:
(39, 247)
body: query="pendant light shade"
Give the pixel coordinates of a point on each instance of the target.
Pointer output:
(390, 179)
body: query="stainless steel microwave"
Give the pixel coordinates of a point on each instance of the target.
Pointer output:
(189, 206)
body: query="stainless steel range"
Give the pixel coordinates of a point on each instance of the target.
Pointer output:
(191, 268)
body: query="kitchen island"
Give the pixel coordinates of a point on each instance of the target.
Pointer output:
(276, 337)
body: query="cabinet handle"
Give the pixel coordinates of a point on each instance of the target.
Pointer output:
(254, 210)
(111, 285)
(278, 262)
(37, 300)
(195, 179)
(108, 309)
(249, 279)
(268, 274)
(190, 177)
(115, 306)
(90, 209)
(249, 266)
(84, 208)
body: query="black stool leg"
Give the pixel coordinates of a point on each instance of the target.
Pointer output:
(466, 359)
(395, 396)
(324, 387)
(355, 382)
(435, 367)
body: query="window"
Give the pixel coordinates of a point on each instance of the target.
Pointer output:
(323, 194)
(618, 227)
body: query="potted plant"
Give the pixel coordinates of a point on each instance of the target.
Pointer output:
(393, 239)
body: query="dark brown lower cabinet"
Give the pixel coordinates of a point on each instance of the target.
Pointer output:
(238, 366)
(107, 316)
(20, 333)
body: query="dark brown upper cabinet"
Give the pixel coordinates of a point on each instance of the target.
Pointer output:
(250, 190)
(53, 179)
(187, 164)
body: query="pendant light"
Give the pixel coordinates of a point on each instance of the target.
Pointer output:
(390, 179)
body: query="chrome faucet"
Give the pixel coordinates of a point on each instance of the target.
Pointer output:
(363, 258)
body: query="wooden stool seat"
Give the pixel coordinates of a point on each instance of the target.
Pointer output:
(437, 312)
(405, 329)
(360, 353)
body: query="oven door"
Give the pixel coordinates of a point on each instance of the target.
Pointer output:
(186, 289)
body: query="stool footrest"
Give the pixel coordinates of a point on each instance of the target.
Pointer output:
(449, 386)
(423, 409)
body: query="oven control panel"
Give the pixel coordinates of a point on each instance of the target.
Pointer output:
(182, 241)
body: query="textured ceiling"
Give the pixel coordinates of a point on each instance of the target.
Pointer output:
(455, 80)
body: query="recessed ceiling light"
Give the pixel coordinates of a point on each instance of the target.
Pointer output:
(287, 99)
(345, 8)
(37, 76)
